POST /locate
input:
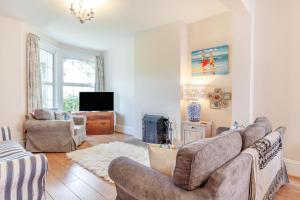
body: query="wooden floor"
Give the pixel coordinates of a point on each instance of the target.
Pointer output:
(67, 180)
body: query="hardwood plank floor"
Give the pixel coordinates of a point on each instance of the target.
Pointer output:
(68, 180)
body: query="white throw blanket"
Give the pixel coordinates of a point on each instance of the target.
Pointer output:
(266, 166)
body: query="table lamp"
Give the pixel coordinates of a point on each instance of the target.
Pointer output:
(193, 93)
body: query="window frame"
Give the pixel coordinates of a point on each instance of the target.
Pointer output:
(52, 50)
(75, 84)
(71, 55)
(62, 52)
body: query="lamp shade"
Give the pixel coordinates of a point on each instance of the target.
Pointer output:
(193, 92)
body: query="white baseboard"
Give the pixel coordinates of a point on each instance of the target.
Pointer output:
(293, 167)
(129, 130)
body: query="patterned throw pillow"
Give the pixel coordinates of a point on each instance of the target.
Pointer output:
(59, 115)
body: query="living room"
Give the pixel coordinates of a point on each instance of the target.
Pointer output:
(90, 89)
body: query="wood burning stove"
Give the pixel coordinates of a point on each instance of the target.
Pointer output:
(155, 129)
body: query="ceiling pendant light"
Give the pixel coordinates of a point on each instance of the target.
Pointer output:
(81, 10)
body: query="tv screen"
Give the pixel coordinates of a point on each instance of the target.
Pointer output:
(96, 101)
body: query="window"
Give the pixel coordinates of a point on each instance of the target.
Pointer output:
(63, 75)
(47, 76)
(78, 76)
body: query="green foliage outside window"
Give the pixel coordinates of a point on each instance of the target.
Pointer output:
(71, 103)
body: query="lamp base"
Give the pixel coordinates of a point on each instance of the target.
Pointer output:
(194, 110)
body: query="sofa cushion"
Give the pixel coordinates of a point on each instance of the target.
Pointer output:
(250, 135)
(254, 132)
(43, 114)
(196, 161)
(265, 123)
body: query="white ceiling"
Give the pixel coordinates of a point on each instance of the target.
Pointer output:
(114, 19)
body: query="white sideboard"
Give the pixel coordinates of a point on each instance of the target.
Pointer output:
(193, 131)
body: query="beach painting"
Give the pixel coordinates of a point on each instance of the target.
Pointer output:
(211, 61)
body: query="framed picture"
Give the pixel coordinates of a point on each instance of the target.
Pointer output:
(219, 99)
(215, 105)
(227, 95)
(211, 61)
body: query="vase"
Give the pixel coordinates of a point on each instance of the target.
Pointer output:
(194, 110)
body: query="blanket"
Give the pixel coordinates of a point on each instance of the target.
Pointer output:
(268, 171)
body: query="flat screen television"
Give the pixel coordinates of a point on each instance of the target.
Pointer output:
(96, 101)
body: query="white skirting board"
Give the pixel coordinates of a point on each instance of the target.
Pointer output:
(129, 130)
(293, 167)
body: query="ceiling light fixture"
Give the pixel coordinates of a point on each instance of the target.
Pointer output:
(81, 10)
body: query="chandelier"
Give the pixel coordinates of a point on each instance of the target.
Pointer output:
(81, 11)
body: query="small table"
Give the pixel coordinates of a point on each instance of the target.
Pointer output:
(192, 131)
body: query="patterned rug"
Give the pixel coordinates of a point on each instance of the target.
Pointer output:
(97, 158)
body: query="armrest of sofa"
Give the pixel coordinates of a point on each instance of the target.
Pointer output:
(25, 174)
(51, 125)
(142, 182)
(79, 119)
(221, 130)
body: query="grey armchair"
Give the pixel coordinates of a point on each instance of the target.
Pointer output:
(55, 135)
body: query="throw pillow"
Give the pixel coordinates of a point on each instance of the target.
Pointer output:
(43, 114)
(265, 123)
(59, 115)
(251, 134)
(236, 126)
(162, 159)
(254, 132)
(68, 116)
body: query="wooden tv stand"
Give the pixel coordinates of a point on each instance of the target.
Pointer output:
(99, 123)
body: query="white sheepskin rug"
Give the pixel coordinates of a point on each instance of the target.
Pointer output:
(97, 158)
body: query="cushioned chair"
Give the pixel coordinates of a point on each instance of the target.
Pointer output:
(46, 134)
(22, 174)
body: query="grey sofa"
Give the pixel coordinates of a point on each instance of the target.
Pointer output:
(22, 174)
(45, 133)
(210, 169)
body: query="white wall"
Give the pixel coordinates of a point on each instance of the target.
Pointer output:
(13, 71)
(12, 77)
(119, 78)
(158, 60)
(204, 34)
(241, 63)
(265, 68)
(276, 74)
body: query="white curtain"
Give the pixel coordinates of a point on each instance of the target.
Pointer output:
(99, 79)
(34, 86)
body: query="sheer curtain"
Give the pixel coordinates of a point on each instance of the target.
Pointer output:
(34, 86)
(99, 79)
